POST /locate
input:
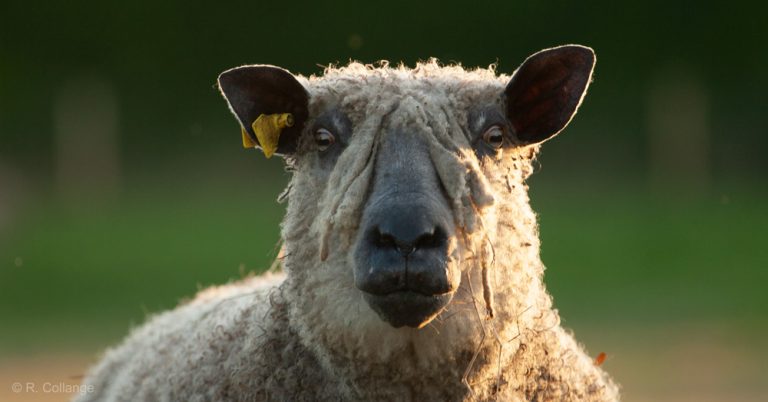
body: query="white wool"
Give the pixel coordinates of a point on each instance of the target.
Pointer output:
(312, 336)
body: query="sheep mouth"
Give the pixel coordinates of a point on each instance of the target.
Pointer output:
(408, 308)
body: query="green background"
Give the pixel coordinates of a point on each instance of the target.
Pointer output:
(124, 187)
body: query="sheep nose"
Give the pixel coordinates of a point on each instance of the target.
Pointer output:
(406, 251)
(407, 239)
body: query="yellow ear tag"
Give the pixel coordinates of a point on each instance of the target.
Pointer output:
(267, 128)
(247, 141)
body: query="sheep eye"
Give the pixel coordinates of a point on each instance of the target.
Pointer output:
(494, 137)
(324, 139)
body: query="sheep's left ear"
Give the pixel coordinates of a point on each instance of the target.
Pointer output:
(253, 91)
(546, 90)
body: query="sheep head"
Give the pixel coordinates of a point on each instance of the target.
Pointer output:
(408, 204)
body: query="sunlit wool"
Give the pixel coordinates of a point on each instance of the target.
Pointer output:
(308, 334)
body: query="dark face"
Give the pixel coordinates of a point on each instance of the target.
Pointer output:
(403, 255)
(407, 257)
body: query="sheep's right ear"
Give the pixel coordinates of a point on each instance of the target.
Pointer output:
(256, 90)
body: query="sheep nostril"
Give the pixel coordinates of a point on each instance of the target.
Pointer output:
(382, 240)
(436, 238)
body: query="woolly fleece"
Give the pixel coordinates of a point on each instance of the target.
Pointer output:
(308, 334)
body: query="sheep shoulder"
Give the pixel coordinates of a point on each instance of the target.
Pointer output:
(552, 366)
(230, 342)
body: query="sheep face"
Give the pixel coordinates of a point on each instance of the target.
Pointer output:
(407, 204)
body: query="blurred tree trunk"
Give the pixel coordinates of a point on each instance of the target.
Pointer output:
(85, 118)
(679, 132)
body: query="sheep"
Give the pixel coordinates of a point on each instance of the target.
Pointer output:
(410, 263)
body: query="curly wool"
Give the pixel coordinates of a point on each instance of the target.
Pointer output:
(309, 335)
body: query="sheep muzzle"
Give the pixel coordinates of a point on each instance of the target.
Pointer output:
(403, 264)
(408, 308)
(404, 261)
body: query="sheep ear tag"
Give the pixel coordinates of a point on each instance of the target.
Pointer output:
(267, 128)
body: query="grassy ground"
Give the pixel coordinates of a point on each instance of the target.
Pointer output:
(672, 290)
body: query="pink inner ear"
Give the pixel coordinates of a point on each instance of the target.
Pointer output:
(546, 90)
